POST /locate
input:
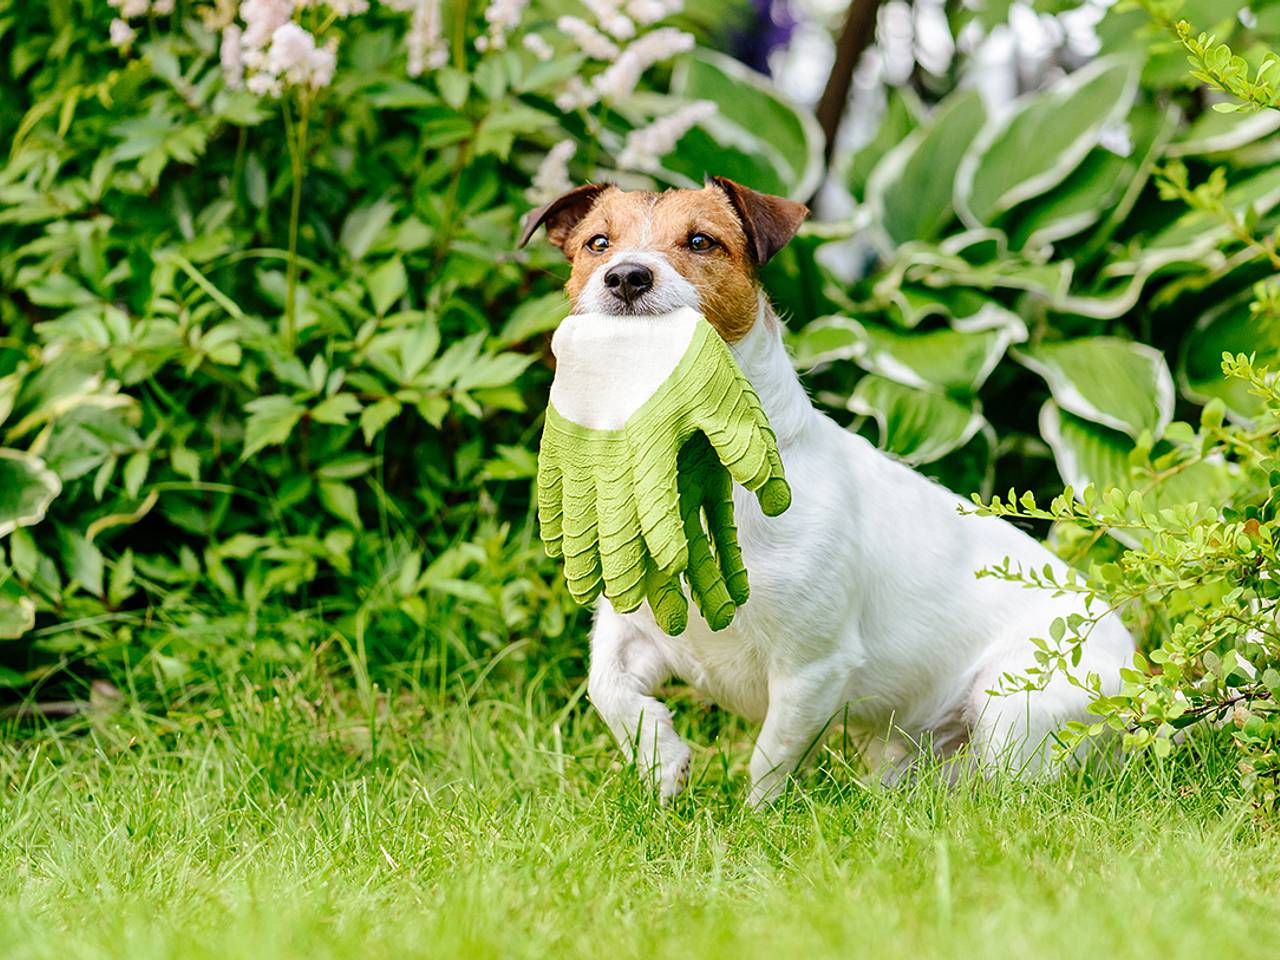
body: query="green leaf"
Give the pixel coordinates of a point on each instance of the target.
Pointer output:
(17, 615)
(1045, 137)
(532, 317)
(910, 191)
(271, 421)
(949, 360)
(336, 409)
(387, 284)
(753, 119)
(901, 110)
(364, 225)
(27, 487)
(1118, 383)
(1214, 132)
(375, 417)
(1087, 453)
(1229, 327)
(917, 426)
(495, 370)
(340, 500)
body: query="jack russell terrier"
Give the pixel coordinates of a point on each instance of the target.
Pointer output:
(865, 608)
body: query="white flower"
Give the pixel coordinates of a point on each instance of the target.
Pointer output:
(645, 148)
(290, 51)
(121, 33)
(552, 176)
(262, 18)
(574, 95)
(620, 79)
(162, 8)
(589, 40)
(231, 55)
(424, 42)
(646, 12)
(537, 44)
(612, 20)
(265, 85)
(349, 8)
(294, 56)
(324, 61)
(502, 16)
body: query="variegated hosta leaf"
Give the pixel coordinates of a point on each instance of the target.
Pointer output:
(1118, 383)
(1043, 139)
(1214, 132)
(1228, 328)
(945, 359)
(753, 124)
(27, 487)
(926, 272)
(1195, 237)
(900, 118)
(910, 191)
(1087, 453)
(917, 426)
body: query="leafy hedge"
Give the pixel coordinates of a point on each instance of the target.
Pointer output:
(216, 421)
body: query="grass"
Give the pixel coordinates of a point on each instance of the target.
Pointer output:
(301, 819)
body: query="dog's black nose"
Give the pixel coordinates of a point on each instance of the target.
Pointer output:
(626, 281)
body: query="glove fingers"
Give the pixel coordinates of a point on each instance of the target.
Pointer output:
(657, 501)
(705, 582)
(724, 535)
(670, 609)
(581, 538)
(622, 545)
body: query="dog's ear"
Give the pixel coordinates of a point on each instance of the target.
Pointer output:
(562, 214)
(768, 221)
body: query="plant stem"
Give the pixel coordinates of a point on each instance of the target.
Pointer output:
(296, 135)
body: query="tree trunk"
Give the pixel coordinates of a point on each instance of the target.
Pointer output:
(858, 33)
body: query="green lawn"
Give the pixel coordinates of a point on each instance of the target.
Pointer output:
(298, 822)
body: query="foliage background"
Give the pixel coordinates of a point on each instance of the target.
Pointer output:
(271, 369)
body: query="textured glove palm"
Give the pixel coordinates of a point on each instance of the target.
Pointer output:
(657, 424)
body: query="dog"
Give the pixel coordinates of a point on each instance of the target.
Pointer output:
(865, 606)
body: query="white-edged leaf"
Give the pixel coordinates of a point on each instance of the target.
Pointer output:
(915, 425)
(902, 108)
(1118, 383)
(751, 102)
(1228, 328)
(1043, 139)
(946, 359)
(1086, 453)
(910, 191)
(1214, 132)
(1195, 236)
(27, 487)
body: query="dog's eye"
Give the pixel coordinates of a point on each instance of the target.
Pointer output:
(700, 243)
(598, 244)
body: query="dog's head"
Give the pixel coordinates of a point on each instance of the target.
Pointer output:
(640, 252)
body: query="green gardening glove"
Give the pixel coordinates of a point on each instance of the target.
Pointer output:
(649, 423)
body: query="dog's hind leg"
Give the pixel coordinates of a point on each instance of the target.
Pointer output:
(1017, 732)
(626, 668)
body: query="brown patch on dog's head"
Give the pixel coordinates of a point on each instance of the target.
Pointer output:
(713, 238)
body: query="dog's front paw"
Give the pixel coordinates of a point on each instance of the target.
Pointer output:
(673, 776)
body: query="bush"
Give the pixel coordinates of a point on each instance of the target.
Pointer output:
(275, 351)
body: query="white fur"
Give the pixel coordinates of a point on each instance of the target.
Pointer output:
(670, 290)
(864, 608)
